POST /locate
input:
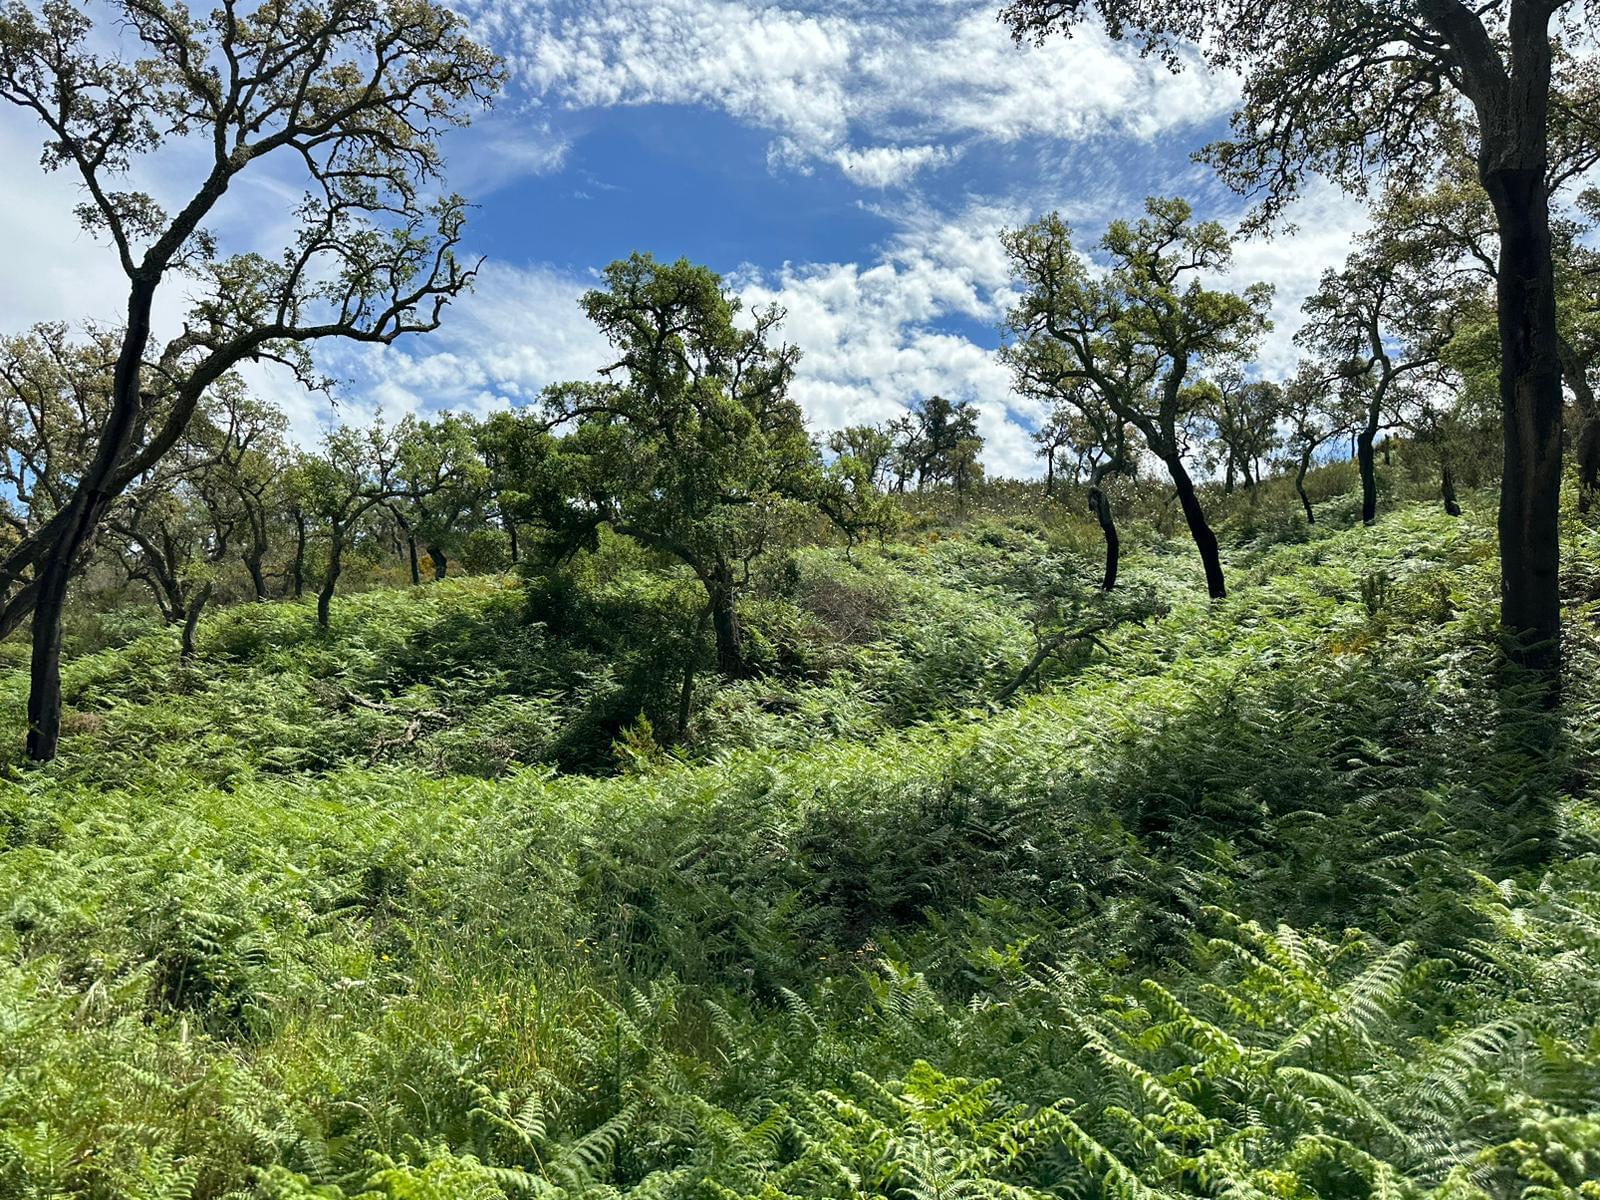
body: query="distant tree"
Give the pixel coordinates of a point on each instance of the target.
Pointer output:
(1244, 414)
(355, 95)
(941, 443)
(53, 391)
(1381, 324)
(444, 482)
(1316, 410)
(872, 446)
(1342, 87)
(246, 439)
(1084, 425)
(849, 495)
(514, 448)
(175, 527)
(1578, 289)
(690, 445)
(1053, 437)
(1139, 334)
(356, 471)
(907, 449)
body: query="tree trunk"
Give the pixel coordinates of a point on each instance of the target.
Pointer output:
(725, 621)
(83, 514)
(1050, 472)
(1531, 403)
(297, 570)
(1588, 449)
(1365, 461)
(1227, 477)
(1204, 539)
(191, 620)
(330, 580)
(436, 553)
(1300, 486)
(1447, 482)
(258, 578)
(511, 532)
(44, 680)
(1100, 505)
(411, 550)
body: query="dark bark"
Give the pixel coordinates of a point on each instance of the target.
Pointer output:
(1447, 482)
(1300, 484)
(440, 562)
(297, 569)
(258, 577)
(1365, 461)
(1531, 402)
(725, 621)
(511, 532)
(83, 514)
(1587, 451)
(1205, 540)
(44, 679)
(411, 552)
(1100, 505)
(330, 579)
(191, 620)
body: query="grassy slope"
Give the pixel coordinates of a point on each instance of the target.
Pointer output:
(1238, 903)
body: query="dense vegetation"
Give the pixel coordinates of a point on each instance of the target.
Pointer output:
(1257, 897)
(638, 791)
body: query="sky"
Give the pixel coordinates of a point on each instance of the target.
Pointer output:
(851, 160)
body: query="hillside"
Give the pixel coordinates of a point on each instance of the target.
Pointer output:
(1275, 896)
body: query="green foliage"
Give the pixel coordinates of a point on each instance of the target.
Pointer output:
(1235, 903)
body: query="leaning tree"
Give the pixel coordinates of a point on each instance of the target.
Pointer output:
(1139, 334)
(352, 95)
(1356, 88)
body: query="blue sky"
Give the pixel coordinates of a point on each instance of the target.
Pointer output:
(852, 161)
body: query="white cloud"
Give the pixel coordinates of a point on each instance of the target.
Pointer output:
(907, 81)
(1325, 224)
(888, 166)
(517, 331)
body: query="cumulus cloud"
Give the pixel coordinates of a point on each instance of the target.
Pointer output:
(879, 92)
(1325, 223)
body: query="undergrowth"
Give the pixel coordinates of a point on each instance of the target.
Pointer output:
(1279, 898)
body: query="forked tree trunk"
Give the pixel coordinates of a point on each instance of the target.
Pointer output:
(258, 577)
(436, 553)
(1205, 540)
(1531, 403)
